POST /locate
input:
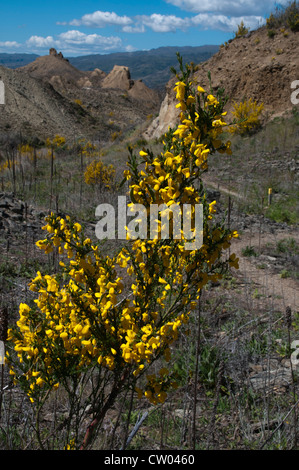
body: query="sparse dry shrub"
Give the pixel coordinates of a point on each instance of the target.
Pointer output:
(287, 17)
(242, 30)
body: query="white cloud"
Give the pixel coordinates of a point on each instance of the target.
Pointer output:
(225, 23)
(74, 41)
(39, 41)
(211, 16)
(227, 7)
(139, 28)
(130, 49)
(100, 19)
(10, 44)
(78, 38)
(164, 23)
(138, 24)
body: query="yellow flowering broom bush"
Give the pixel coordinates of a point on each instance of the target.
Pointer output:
(99, 174)
(247, 115)
(90, 334)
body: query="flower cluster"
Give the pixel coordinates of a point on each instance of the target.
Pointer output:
(247, 114)
(100, 174)
(57, 142)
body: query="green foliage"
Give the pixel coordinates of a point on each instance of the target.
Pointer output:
(209, 366)
(284, 210)
(285, 274)
(249, 251)
(271, 33)
(288, 245)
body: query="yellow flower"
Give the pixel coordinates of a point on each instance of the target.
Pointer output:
(180, 91)
(77, 227)
(212, 101)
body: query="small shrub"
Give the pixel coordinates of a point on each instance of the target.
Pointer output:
(287, 245)
(97, 173)
(249, 251)
(209, 366)
(242, 30)
(284, 274)
(247, 117)
(271, 22)
(283, 211)
(271, 33)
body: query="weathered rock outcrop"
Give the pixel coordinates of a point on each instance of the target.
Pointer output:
(168, 116)
(35, 108)
(54, 65)
(54, 53)
(119, 78)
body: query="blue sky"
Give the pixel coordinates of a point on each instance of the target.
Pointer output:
(99, 27)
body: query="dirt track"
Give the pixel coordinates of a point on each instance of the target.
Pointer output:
(279, 292)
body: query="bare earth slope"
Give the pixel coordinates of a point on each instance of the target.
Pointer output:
(254, 66)
(50, 96)
(34, 107)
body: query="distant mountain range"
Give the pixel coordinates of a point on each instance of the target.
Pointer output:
(152, 67)
(13, 61)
